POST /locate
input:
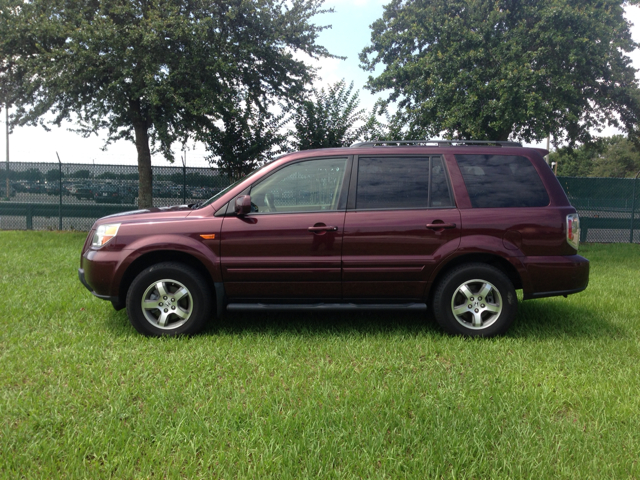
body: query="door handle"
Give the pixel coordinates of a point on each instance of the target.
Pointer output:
(323, 228)
(440, 226)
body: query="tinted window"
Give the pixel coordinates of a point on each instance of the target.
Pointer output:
(495, 181)
(312, 185)
(400, 183)
(439, 192)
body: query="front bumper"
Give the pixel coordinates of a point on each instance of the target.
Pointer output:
(102, 297)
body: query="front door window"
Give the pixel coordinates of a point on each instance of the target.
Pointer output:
(309, 186)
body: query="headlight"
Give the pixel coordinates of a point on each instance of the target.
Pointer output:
(104, 234)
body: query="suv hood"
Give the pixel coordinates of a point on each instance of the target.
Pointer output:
(172, 211)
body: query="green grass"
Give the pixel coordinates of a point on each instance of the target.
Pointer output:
(82, 395)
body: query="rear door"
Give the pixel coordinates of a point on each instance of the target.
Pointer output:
(401, 220)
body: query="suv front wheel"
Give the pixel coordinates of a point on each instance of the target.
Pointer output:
(475, 300)
(169, 299)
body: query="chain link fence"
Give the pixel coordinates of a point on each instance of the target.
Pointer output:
(48, 196)
(609, 208)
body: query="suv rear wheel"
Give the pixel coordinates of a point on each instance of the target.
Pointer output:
(169, 299)
(475, 300)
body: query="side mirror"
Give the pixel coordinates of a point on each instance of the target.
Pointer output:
(243, 205)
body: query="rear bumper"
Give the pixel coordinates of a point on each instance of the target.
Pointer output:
(554, 276)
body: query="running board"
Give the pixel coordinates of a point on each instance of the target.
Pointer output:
(250, 307)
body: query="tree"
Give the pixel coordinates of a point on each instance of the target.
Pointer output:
(389, 129)
(614, 156)
(53, 175)
(620, 159)
(576, 161)
(247, 136)
(82, 174)
(506, 69)
(331, 118)
(153, 72)
(30, 175)
(108, 176)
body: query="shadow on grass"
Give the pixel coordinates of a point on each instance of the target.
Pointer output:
(303, 324)
(557, 317)
(547, 318)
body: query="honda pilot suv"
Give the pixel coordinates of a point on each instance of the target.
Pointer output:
(454, 226)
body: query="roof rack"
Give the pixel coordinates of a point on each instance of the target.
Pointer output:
(438, 143)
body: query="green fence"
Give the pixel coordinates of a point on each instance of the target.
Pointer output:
(72, 196)
(52, 196)
(609, 208)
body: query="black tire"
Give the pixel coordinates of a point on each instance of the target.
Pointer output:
(178, 298)
(475, 300)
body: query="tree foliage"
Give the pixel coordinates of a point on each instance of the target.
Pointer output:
(53, 175)
(614, 156)
(576, 161)
(500, 69)
(620, 159)
(246, 138)
(331, 118)
(153, 72)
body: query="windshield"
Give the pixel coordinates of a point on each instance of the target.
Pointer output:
(225, 190)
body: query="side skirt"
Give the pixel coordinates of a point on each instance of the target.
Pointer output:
(252, 307)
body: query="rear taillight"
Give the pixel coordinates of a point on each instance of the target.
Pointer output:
(573, 230)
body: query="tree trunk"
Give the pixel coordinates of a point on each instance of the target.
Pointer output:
(145, 186)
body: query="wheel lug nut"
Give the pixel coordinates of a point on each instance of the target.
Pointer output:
(173, 308)
(480, 298)
(160, 304)
(482, 305)
(164, 298)
(471, 299)
(476, 310)
(166, 310)
(173, 299)
(469, 306)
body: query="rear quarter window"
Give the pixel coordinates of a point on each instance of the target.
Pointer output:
(502, 181)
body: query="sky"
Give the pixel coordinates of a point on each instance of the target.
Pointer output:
(349, 35)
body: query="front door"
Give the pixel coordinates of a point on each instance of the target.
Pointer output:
(400, 222)
(290, 246)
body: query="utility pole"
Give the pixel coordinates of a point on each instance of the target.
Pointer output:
(60, 188)
(6, 112)
(184, 174)
(546, 157)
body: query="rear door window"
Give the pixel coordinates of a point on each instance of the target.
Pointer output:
(502, 181)
(402, 183)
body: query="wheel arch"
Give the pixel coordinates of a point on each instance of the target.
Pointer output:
(151, 258)
(501, 263)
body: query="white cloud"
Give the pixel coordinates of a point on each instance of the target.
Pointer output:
(329, 72)
(328, 68)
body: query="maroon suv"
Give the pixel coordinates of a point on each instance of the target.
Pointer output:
(456, 226)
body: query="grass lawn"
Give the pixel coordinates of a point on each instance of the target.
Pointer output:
(357, 395)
